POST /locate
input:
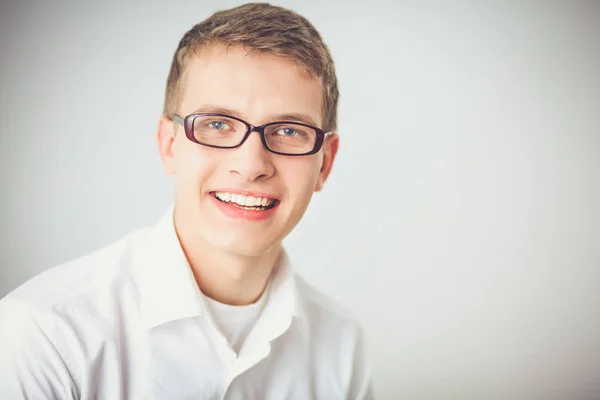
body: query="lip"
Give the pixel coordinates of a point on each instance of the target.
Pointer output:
(243, 214)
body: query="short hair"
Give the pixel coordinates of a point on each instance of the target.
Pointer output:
(259, 28)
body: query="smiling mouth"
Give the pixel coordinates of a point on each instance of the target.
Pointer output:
(245, 202)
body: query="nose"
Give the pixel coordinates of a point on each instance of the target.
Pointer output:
(251, 161)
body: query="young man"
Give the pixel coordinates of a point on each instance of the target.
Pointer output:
(205, 304)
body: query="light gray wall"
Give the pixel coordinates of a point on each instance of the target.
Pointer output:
(461, 223)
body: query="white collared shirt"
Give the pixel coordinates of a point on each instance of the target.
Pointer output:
(128, 322)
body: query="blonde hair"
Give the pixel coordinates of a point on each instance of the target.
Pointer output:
(259, 28)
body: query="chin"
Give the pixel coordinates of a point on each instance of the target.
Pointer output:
(241, 246)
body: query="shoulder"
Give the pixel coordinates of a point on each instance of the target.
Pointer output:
(72, 281)
(52, 322)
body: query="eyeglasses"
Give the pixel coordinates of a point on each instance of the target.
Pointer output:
(226, 132)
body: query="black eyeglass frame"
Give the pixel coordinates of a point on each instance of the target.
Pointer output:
(188, 125)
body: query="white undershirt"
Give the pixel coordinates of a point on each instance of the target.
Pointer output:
(235, 322)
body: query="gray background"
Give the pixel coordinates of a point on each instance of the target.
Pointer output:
(461, 223)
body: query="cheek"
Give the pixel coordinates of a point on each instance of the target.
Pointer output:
(194, 167)
(301, 176)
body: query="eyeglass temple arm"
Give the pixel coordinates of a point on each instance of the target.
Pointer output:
(176, 118)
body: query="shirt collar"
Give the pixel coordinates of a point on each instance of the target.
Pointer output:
(168, 290)
(285, 300)
(167, 287)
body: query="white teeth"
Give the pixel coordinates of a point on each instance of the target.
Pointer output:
(245, 201)
(241, 200)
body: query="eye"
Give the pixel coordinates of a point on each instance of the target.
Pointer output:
(288, 132)
(219, 125)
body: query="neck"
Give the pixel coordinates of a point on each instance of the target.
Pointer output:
(227, 278)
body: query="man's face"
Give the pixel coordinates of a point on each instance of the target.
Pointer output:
(258, 89)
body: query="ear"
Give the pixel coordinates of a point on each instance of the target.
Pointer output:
(330, 148)
(165, 140)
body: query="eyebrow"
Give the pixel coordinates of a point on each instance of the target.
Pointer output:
(294, 117)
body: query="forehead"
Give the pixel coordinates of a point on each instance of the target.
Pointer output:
(256, 85)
